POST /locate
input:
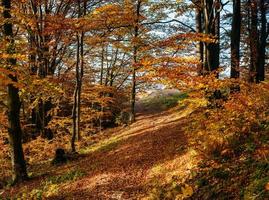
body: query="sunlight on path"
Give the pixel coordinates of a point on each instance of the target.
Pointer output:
(128, 162)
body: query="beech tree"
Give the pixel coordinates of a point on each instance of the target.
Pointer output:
(258, 33)
(39, 19)
(264, 31)
(13, 99)
(136, 30)
(79, 78)
(211, 20)
(199, 29)
(253, 38)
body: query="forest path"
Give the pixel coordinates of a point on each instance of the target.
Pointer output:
(123, 165)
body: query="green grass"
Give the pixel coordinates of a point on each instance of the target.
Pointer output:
(162, 102)
(105, 145)
(69, 176)
(50, 186)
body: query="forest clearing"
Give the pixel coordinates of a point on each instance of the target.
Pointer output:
(134, 99)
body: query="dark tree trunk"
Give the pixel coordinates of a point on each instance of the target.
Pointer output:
(235, 39)
(102, 66)
(39, 60)
(211, 16)
(253, 38)
(260, 73)
(79, 76)
(216, 22)
(75, 97)
(13, 102)
(133, 93)
(74, 118)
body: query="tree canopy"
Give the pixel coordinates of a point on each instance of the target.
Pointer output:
(73, 72)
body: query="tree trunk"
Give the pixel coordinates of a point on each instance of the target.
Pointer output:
(216, 22)
(133, 94)
(260, 73)
(200, 45)
(211, 23)
(235, 39)
(135, 50)
(81, 72)
(75, 98)
(211, 54)
(102, 65)
(74, 119)
(79, 76)
(253, 38)
(13, 102)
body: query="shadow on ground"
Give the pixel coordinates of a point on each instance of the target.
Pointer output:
(119, 169)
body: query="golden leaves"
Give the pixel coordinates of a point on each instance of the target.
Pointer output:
(6, 80)
(267, 186)
(13, 56)
(187, 191)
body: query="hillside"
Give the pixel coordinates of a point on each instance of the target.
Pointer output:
(122, 166)
(154, 158)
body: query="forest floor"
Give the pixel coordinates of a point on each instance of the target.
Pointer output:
(153, 158)
(128, 164)
(124, 165)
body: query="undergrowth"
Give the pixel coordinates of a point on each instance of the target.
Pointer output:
(235, 147)
(230, 133)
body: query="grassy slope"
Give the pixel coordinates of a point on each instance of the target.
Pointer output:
(153, 159)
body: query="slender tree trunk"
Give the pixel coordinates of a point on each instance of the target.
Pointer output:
(260, 72)
(14, 104)
(102, 66)
(254, 47)
(135, 61)
(80, 84)
(216, 48)
(133, 91)
(75, 98)
(79, 76)
(235, 39)
(112, 67)
(74, 119)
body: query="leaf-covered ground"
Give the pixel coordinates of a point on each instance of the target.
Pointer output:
(124, 165)
(154, 158)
